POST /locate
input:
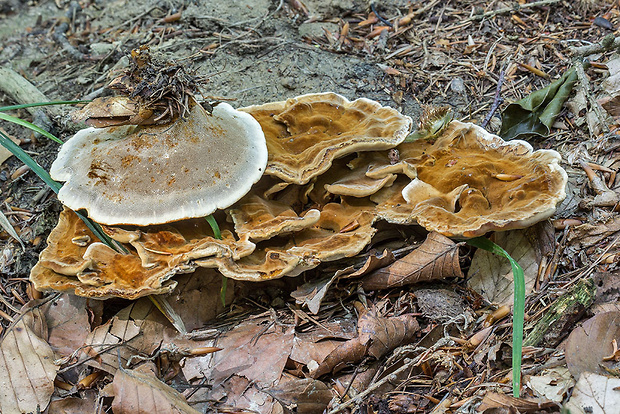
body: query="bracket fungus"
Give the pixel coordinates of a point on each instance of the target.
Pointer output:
(470, 182)
(305, 134)
(145, 175)
(333, 169)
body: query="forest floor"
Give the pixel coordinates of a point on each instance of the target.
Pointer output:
(454, 355)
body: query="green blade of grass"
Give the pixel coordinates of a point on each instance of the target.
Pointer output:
(518, 312)
(31, 105)
(29, 125)
(218, 235)
(32, 164)
(214, 226)
(55, 186)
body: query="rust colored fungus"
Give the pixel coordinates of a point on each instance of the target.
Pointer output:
(305, 134)
(75, 260)
(341, 231)
(470, 182)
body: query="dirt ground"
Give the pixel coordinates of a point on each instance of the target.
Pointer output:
(249, 52)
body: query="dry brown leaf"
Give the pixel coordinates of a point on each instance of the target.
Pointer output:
(27, 369)
(376, 336)
(67, 323)
(142, 393)
(436, 258)
(491, 275)
(303, 396)
(497, 400)
(75, 405)
(598, 392)
(589, 343)
(311, 294)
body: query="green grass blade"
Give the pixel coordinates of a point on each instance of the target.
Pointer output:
(55, 186)
(32, 164)
(214, 226)
(31, 105)
(29, 125)
(218, 235)
(518, 313)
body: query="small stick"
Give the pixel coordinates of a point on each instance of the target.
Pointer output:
(60, 33)
(407, 365)
(374, 10)
(497, 100)
(609, 42)
(511, 9)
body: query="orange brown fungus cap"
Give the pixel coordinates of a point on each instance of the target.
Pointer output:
(74, 260)
(470, 182)
(305, 134)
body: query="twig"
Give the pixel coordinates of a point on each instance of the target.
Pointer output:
(383, 19)
(497, 100)
(514, 9)
(60, 32)
(406, 366)
(609, 42)
(596, 107)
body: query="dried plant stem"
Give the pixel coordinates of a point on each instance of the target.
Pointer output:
(511, 9)
(609, 42)
(497, 100)
(406, 366)
(596, 107)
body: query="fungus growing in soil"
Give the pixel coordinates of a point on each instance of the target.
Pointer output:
(155, 174)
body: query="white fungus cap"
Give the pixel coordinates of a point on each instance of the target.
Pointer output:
(144, 175)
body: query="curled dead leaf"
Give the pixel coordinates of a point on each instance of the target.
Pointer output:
(436, 258)
(376, 337)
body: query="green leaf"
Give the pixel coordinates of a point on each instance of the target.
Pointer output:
(518, 312)
(536, 113)
(28, 125)
(31, 105)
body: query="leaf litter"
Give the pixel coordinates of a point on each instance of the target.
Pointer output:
(259, 350)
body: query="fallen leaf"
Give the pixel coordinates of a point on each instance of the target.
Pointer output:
(599, 393)
(535, 114)
(589, 343)
(376, 337)
(67, 323)
(491, 275)
(496, 400)
(552, 384)
(75, 405)
(303, 396)
(27, 369)
(436, 258)
(142, 393)
(312, 293)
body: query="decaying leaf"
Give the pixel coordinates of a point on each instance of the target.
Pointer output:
(552, 384)
(436, 258)
(74, 405)
(67, 323)
(312, 293)
(496, 400)
(491, 275)
(27, 369)
(589, 344)
(376, 336)
(142, 393)
(598, 392)
(303, 396)
(535, 114)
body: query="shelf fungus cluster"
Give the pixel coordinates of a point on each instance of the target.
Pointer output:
(332, 168)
